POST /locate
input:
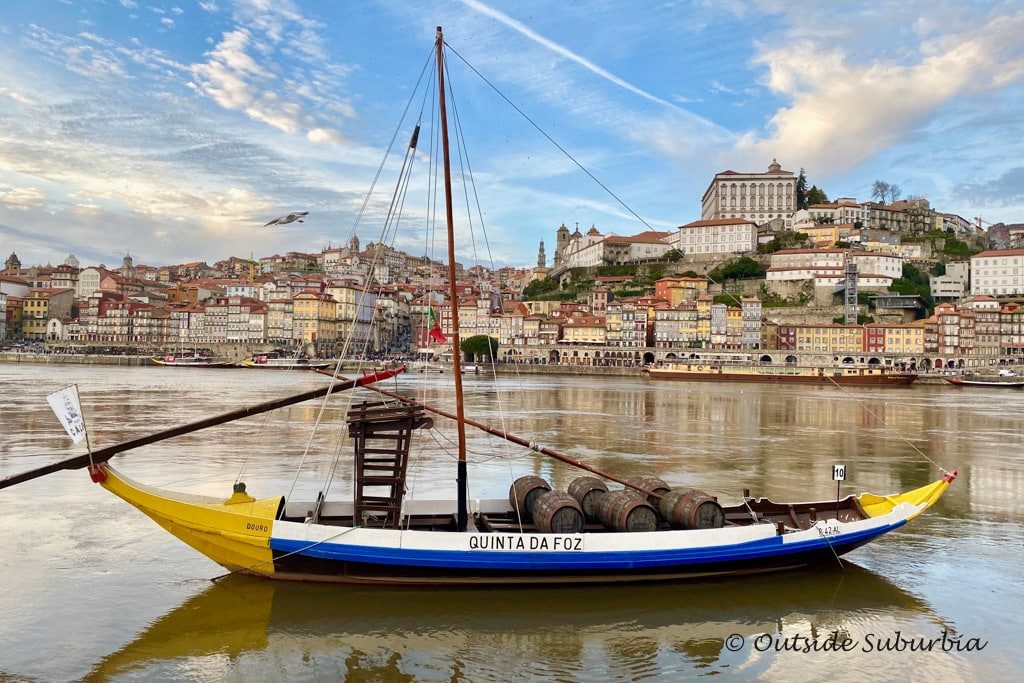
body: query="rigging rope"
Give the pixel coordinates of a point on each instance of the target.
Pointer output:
(549, 138)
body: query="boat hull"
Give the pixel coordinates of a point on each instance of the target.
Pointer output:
(957, 381)
(254, 537)
(782, 375)
(286, 365)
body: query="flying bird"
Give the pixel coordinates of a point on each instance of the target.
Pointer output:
(297, 216)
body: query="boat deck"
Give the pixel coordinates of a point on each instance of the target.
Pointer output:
(787, 517)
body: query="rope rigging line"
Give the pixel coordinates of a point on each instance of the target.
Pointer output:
(462, 150)
(549, 138)
(352, 329)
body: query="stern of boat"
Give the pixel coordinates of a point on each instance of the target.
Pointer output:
(919, 499)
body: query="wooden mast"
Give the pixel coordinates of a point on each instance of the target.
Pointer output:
(462, 479)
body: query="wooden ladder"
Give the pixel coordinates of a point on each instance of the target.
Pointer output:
(381, 436)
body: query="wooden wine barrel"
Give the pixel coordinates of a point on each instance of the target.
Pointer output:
(524, 492)
(650, 484)
(556, 512)
(624, 511)
(691, 509)
(588, 491)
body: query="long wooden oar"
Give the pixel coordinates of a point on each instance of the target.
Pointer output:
(514, 439)
(104, 454)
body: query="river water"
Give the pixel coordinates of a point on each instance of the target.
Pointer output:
(93, 589)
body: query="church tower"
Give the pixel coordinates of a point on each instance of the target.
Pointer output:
(561, 242)
(542, 260)
(127, 266)
(12, 262)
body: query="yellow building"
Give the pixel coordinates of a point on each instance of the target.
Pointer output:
(908, 339)
(584, 330)
(822, 235)
(704, 302)
(830, 338)
(40, 305)
(314, 317)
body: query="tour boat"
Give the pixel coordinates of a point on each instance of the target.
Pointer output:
(281, 361)
(1006, 382)
(696, 371)
(193, 361)
(645, 531)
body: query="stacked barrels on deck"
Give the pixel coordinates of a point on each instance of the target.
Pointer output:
(589, 500)
(588, 492)
(625, 510)
(551, 511)
(652, 484)
(691, 509)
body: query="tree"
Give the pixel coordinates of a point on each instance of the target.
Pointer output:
(538, 287)
(885, 192)
(480, 345)
(801, 190)
(673, 255)
(824, 220)
(880, 190)
(815, 195)
(742, 268)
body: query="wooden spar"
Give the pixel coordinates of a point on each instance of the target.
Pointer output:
(514, 439)
(104, 454)
(460, 418)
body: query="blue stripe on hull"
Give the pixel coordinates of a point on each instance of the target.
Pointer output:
(605, 560)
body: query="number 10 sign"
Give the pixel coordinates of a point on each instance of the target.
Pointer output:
(838, 472)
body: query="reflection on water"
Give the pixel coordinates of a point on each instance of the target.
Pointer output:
(369, 633)
(127, 601)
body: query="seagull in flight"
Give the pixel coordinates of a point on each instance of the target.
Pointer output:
(296, 216)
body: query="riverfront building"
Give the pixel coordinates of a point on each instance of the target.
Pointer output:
(998, 273)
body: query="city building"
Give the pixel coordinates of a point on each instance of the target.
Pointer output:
(758, 197)
(716, 237)
(998, 272)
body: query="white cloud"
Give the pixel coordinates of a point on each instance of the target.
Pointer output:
(208, 5)
(235, 80)
(167, 21)
(325, 135)
(842, 112)
(128, 4)
(22, 198)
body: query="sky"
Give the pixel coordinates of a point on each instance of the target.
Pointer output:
(172, 131)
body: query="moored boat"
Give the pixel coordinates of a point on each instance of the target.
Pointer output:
(191, 361)
(996, 382)
(788, 374)
(643, 532)
(280, 361)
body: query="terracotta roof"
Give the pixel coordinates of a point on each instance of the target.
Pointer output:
(1000, 252)
(810, 251)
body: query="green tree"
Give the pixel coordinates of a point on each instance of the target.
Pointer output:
(538, 287)
(741, 269)
(479, 346)
(673, 255)
(816, 196)
(801, 190)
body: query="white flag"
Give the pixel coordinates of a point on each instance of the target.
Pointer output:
(65, 405)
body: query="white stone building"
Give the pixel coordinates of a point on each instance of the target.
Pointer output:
(842, 210)
(759, 197)
(716, 236)
(998, 272)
